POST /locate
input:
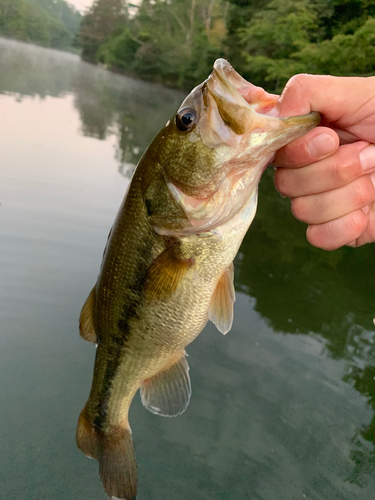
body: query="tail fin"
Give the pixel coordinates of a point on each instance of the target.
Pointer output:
(114, 451)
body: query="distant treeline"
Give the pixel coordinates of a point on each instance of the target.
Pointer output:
(176, 41)
(50, 23)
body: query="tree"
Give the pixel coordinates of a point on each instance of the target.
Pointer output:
(273, 35)
(343, 55)
(174, 42)
(103, 21)
(30, 21)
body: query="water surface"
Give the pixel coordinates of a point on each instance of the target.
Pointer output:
(282, 406)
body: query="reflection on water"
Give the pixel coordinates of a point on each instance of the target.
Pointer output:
(282, 407)
(315, 292)
(133, 112)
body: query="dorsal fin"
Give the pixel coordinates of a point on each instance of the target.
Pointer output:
(168, 392)
(220, 311)
(86, 321)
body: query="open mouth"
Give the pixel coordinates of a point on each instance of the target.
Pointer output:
(248, 110)
(259, 100)
(242, 106)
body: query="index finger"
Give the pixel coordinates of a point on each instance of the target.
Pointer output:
(310, 148)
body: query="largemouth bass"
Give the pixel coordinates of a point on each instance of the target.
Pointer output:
(168, 265)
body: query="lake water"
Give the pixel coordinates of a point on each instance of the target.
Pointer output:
(282, 406)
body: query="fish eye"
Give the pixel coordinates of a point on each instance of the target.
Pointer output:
(185, 119)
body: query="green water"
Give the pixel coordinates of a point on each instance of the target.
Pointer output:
(282, 406)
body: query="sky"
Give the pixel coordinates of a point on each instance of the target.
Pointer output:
(81, 4)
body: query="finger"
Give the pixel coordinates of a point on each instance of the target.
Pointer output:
(345, 136)
(368, 235)
(324, 207)
(311, 147)
(326, 94)
(338, 232)
(335, 171)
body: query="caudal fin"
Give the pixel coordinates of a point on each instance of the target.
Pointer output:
(114, 451)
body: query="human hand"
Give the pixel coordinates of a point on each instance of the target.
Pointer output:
(329, 173)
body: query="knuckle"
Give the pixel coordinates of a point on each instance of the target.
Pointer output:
(300, 209)
(357, 222)
(317, 237)
(346, 168)
(282, 181)
(297, 81)
(291, 155)
(362, 191)
(338, 232)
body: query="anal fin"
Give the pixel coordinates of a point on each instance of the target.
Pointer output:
(168, 392)
(86, 321)
(220, 311)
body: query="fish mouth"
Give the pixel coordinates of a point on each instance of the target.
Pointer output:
(232, 92)
(245, 108)
(236, 121)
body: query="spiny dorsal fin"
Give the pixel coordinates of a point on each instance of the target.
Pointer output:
(168, 392)
(220, 311)
(166, 273)
(86, 322)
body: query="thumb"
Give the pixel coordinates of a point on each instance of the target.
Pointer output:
(334, 97)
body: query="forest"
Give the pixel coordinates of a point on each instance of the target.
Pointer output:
(50, 23)
(175, 42)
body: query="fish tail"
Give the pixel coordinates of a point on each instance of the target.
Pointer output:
(114, 451)
(87, 436)
(117, 463)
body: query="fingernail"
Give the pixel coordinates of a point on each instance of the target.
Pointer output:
(367, 157)
(321, 145)
(366, 209)
(372, 177)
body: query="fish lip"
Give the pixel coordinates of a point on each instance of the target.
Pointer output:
(245, 108)
(256, 97)
(221, 84)
(241, 105)
(226, 70)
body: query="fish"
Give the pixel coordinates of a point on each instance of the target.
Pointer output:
(168, 264)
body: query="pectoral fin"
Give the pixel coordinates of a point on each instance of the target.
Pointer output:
(168, 392)
(86, 322)
(166, 274)
(220, 311)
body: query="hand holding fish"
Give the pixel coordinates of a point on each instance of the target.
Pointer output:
(329, 173)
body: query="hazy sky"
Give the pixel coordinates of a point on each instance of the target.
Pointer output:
(81, 4)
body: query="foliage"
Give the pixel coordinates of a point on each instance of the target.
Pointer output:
(175, 42)
(103, 22)
(273, 35)
(61, 10)
(344, 54)
(51, 23)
